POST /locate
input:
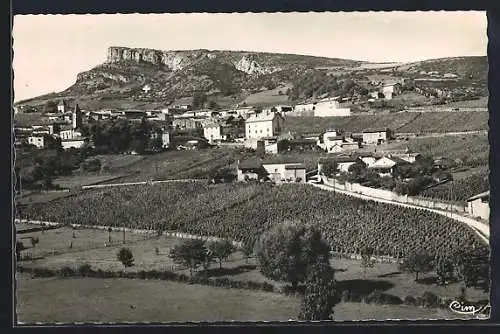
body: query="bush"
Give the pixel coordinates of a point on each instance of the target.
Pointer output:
(429, 300)
(66, 272)
(345, 296)
(84, 270)
(125, 257)
(410, 300)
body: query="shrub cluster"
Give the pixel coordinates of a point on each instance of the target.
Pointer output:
(85, 270)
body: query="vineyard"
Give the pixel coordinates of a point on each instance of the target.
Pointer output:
(179, 165)
(243, 211)
(460, 190)
(429, 122)
(472, 150)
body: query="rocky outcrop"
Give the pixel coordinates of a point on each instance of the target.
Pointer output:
(250, 66)
(172, 60)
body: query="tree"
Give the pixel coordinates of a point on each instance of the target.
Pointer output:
(444, 270)
(50, 107)
(356, 170)
(247, 250)
(191, 253)
(199, 99)
(329, 168)
(34, 241)
(366, 259)
(221, 250)
(287, 250)
(320, 296)
(125, 257)
(417, 263)
(472, 267)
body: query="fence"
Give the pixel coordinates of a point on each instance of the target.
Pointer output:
(392, 196)
(139, 183)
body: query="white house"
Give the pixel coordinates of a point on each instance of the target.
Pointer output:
(478, 206)
(62, 106)
(385, 165)
(212, 131)
(276, 171)
(376, 136)
(37, 140)
(264, 124)
(331, 139)
(72, 143)
(146, 88)
(330, 108)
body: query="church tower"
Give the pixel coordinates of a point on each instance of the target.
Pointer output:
(77, 117)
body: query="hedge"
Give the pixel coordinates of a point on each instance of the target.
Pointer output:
(85, 270)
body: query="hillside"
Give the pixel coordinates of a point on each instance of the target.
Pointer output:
(119, 82)
(429, 122)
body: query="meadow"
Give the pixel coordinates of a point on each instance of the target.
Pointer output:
(124, 300)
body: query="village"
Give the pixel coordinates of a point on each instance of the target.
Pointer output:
(263, 131)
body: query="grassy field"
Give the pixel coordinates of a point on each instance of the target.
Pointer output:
(268, 97)
(59, 240)
(122, 300)
(429, 122)
(472, 149)
(384, 276)
(178, 164)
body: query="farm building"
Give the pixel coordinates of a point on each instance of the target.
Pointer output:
(39, 140)
(330, 108)
(184, 123)
(62, 106)
(385, 165)
(184, 103)
(478, 206)
(391, 89)
(75, 142)
(213, 131)
(275, 171)
(376, 136)
(264, 124)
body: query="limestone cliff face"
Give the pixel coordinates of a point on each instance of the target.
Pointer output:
(172, 60)
(178, 60)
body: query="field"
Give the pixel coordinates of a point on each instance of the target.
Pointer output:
(473, 150)
(122, 300)
(178, 165)
(461, 189)
(89, 249)
(429, 122)
(242, 212)
(268, 97)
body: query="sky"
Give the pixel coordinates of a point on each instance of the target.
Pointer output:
(50, 50)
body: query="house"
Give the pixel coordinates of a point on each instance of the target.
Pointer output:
(344, 162)
(280, 172)
(330, 108)
(184, 103)
(165, 137)
(450, 76)
(264, 124)
(478, 206)
(39, 140)
(76, 142)
(213, 131)
(376, 136)
(274, 170)
(62, 106)
(391, 89)
(187, 123)
(146, 88)
(331, 139)
(385, 165)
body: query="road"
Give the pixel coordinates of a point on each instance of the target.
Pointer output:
(481, 229)
(94, 186)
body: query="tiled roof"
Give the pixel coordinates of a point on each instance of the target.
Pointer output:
(486, 194)
(297, 166)
(262, 117)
